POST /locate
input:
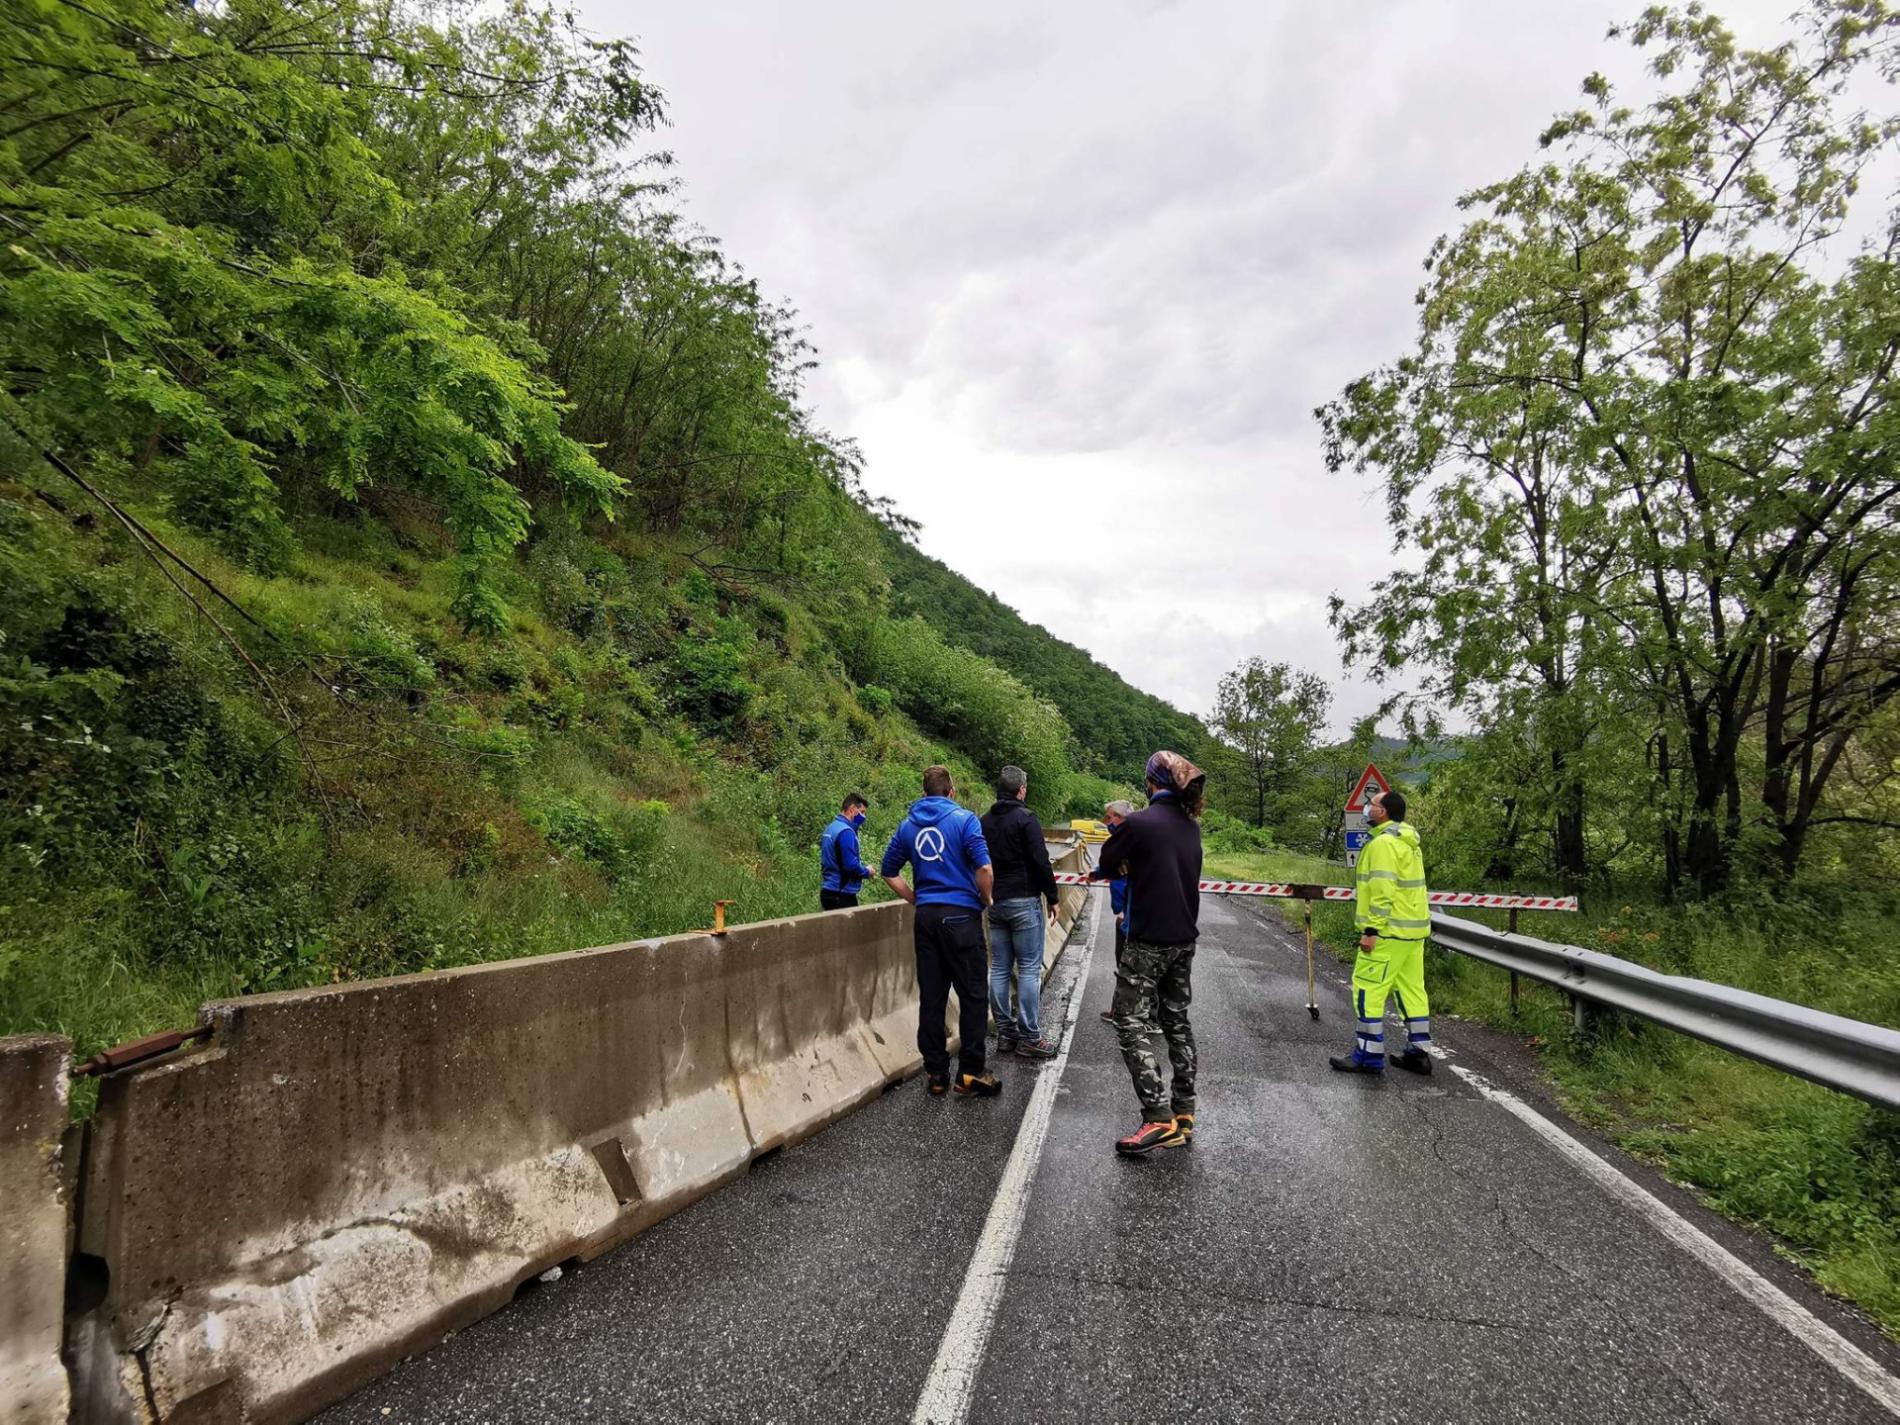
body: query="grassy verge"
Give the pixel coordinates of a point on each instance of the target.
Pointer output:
(1817, 1169)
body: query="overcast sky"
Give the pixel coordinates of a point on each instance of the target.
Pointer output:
(1079, 273)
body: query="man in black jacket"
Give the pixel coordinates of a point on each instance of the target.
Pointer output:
(1024, 880)
(1159, 851)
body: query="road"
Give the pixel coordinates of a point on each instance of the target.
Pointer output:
(1329, 1249)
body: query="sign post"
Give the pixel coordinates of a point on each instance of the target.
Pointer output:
(1371, 783)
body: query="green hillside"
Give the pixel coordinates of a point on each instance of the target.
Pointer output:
(1114, 721)
(417, 549)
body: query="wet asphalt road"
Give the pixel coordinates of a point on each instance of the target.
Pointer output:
(1330, 1249)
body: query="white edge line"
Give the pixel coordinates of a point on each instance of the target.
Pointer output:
(1827, 1343)
(945, 1399)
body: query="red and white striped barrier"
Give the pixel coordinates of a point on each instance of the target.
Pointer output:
(1286, 890)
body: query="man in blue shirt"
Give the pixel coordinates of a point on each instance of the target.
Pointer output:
(839, 860)
(943, 845)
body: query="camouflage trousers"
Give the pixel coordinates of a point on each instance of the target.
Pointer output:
(1152, 991)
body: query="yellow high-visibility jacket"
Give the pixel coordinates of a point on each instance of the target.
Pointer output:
(1391, 885)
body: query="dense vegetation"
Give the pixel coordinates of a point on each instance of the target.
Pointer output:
(1644, 447)
(417, 549)
(1117, 725)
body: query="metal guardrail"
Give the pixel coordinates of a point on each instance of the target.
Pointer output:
(1845, 1054)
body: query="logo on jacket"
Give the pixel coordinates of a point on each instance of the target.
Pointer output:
(929, 844)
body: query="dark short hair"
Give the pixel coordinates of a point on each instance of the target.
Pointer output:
(1394, 803)
(855, 799)
(1011, 781)
(938, 781)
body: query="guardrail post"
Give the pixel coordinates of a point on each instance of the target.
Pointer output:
(1581, 1017)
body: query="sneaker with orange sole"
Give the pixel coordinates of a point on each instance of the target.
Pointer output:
(1149, 1137)
(1184, 1125)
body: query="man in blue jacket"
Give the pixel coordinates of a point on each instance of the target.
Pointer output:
(944, 846)
(839, 860)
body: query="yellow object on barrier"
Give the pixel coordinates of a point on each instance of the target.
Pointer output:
(1093, 832)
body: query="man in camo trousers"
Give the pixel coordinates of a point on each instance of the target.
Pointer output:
(1159, 851)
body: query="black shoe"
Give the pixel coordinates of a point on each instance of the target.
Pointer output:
(984, 1085)
(938, 1086)
(1346, 1064)
(1006, 1043)
(1417, 1061)
(1035, 1049)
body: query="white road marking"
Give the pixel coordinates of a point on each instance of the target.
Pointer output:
(952, 1380)
(1827, 1343)
(1842, 1354)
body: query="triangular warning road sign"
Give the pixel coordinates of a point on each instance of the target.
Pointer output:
(1371, 784)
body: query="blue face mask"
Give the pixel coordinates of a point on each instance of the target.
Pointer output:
(858, 820)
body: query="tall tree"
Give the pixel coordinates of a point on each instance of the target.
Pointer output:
(1644, 442)
(1269, 716)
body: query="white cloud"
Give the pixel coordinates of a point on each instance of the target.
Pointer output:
(1080, 273)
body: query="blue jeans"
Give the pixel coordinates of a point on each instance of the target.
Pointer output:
(1016, 942)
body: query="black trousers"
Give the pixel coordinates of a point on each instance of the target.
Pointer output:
(1121, 942)
(837, 900)
(951, 954)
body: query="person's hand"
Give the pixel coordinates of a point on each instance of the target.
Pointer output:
(1368, 943)
(1118, 918)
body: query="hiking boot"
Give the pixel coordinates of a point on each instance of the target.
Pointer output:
(1035, 1049)
(1184, 1125)
(1149, 1137)
(938, 1085)
(980, 1085)
(1346, 1064)
(1416, 1061)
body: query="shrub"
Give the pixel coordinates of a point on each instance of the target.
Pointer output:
(621, 841)
(989, 716)
(709, 683)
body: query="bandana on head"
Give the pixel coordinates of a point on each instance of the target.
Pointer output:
(1173, 771)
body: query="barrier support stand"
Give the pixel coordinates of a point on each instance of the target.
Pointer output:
(1307, 895)
(1513, 930)
(1312, 1005)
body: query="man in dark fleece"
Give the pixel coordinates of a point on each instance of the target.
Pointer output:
(1159, 851)
(943, 844)
(1026, 900)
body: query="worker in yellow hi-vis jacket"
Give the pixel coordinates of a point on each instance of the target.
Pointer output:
(1394, 918)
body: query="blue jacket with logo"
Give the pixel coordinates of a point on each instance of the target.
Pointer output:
(840, 859)
(944, 845)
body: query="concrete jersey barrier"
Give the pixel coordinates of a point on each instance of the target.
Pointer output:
(1071, 901)
(339, 1177)
(33, 1087)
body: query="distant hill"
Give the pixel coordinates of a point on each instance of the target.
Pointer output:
(1114, 721)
